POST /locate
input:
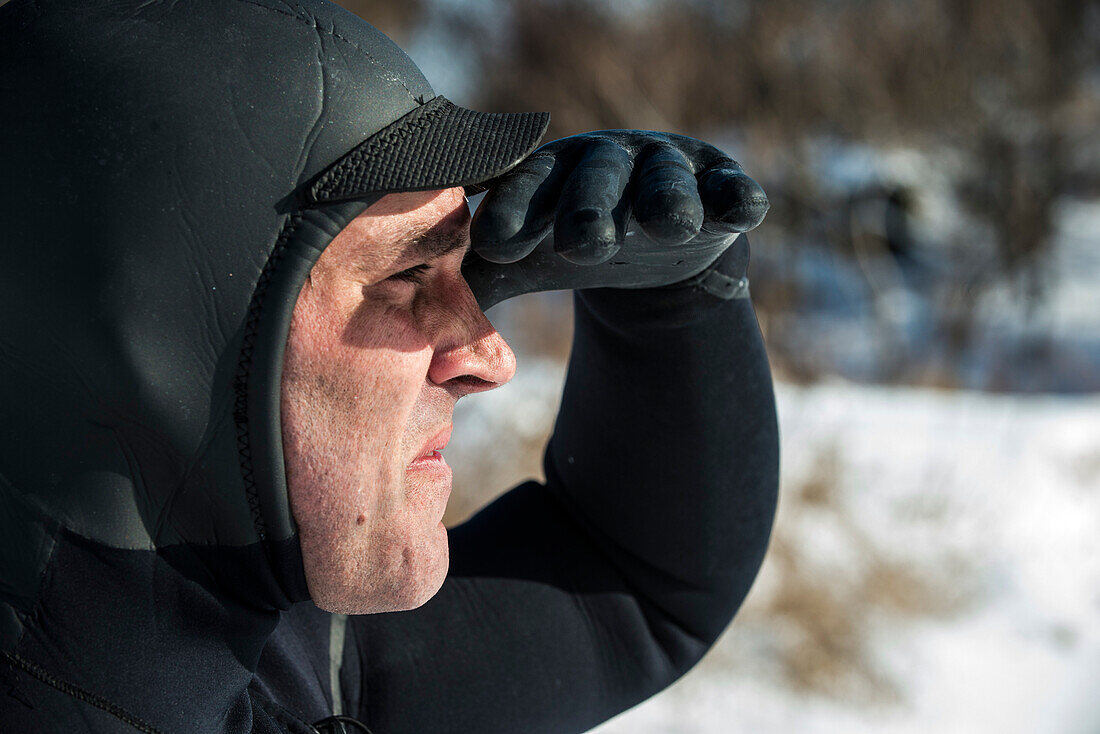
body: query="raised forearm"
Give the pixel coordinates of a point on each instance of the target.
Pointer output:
(666, 445)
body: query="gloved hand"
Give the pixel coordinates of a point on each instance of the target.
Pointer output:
(614, 208)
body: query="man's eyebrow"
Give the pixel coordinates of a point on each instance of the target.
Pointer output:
(414, 249)
(432, 244)
(417, 244)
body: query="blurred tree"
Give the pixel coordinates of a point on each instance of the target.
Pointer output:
(998, 78)
(1004, 86)
(1001, 92)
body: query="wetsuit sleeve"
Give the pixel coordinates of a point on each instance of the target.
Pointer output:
(571, 601)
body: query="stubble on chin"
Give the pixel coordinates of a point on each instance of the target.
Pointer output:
(415, 568)
(400, 573)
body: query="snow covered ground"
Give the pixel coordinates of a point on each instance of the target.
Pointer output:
(935, 567)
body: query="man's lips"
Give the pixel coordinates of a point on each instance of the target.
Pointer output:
(429, 452)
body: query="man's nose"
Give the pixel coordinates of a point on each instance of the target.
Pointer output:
(470, 355)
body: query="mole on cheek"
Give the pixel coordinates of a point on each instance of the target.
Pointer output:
(360, 520)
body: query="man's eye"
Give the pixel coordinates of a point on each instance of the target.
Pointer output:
(412, 275)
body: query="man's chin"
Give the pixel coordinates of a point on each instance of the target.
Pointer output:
(428, 580)
(411, 585)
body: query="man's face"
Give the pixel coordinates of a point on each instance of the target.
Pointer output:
(386, 337)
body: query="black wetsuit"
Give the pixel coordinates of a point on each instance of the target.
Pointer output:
(150, 576)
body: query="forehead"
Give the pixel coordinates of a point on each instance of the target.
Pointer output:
(397, 227)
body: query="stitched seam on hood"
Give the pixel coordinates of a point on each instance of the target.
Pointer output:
(244, 371)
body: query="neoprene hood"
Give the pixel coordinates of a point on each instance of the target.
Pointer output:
(170, 173)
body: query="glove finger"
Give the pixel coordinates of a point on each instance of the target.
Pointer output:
(592, 211)
(518, 211)
(666, 199)
(733, 202)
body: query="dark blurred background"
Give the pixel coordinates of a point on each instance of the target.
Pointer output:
(928, 284)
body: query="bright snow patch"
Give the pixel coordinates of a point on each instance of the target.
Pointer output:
(936, 567)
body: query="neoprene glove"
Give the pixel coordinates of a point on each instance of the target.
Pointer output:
(613, 208)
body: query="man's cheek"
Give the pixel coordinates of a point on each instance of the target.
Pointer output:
(382, 326)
